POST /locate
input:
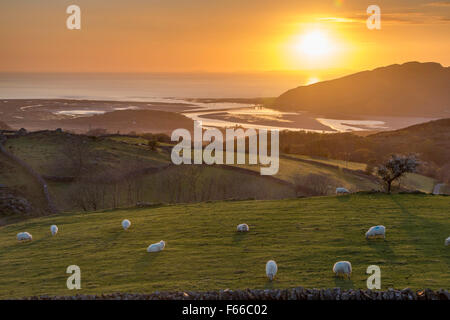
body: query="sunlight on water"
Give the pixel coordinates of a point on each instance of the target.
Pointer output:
(353, 125)
(79, 112)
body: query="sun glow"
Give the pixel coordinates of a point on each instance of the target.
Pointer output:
(315, 44)
(312, 80)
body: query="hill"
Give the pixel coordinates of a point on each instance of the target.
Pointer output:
(430, 141)
(411, 89)
(432, 136)
(204, 252)
(92, 173)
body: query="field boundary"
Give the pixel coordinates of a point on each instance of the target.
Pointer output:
(359, 173)
(298, 293)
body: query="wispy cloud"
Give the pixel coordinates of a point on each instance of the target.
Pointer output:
(337, 19)
(438, 4)
(394, 18)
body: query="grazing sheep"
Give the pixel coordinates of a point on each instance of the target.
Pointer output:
(156, 247)
(271, 269)
(54, 229)
(447, 241)
(342, 268)
(376, 232)
(242, 227)
(126, 224)
(341, 190)
(24, 236)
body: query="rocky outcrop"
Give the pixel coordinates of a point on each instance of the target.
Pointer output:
(33, 173)
(13, 204)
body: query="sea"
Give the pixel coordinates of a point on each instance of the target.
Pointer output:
(146, 86)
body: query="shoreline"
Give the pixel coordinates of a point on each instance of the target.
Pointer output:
(41, 114)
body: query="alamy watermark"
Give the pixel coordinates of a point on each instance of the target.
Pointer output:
(374, 281)
(73, 21)
(74, 281)
(213, 152)
(374, 20)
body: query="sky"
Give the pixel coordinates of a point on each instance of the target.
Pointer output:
(220, 35)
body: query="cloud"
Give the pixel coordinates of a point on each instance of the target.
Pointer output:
(337, 19)
(438, 4)
(392, 18)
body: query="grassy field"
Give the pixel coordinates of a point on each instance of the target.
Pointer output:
(419, 182)
(40, 150)
(183, 184)
(305, 236)
(46, 153)
(334, 162)
(412, 181)
(290, 168)
(180, 184)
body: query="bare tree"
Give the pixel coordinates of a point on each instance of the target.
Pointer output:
(133, 179)
(395, 168)
(78, 154)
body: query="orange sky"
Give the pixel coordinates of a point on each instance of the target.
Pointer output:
(217, 36)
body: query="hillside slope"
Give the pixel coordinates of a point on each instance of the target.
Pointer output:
(305, 236)
(429, 140)
(411, 89)
(121, 171)
(14, 179)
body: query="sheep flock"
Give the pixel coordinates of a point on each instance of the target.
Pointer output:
(340, 268)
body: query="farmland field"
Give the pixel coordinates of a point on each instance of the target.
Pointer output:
(305, 236)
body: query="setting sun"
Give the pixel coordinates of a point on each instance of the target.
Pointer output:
(315, 44)
(312, 80)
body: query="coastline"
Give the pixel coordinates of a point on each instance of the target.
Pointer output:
(38, 114)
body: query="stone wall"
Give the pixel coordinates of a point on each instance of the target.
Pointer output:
(299, 293)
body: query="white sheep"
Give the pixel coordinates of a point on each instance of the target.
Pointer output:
(243, 227)
(376, 232)
(447, 241)
(24, 236)
(156, 247)
(341, 190)
(126, 224)
(342, 268)
(54, 229)
(271, 269)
